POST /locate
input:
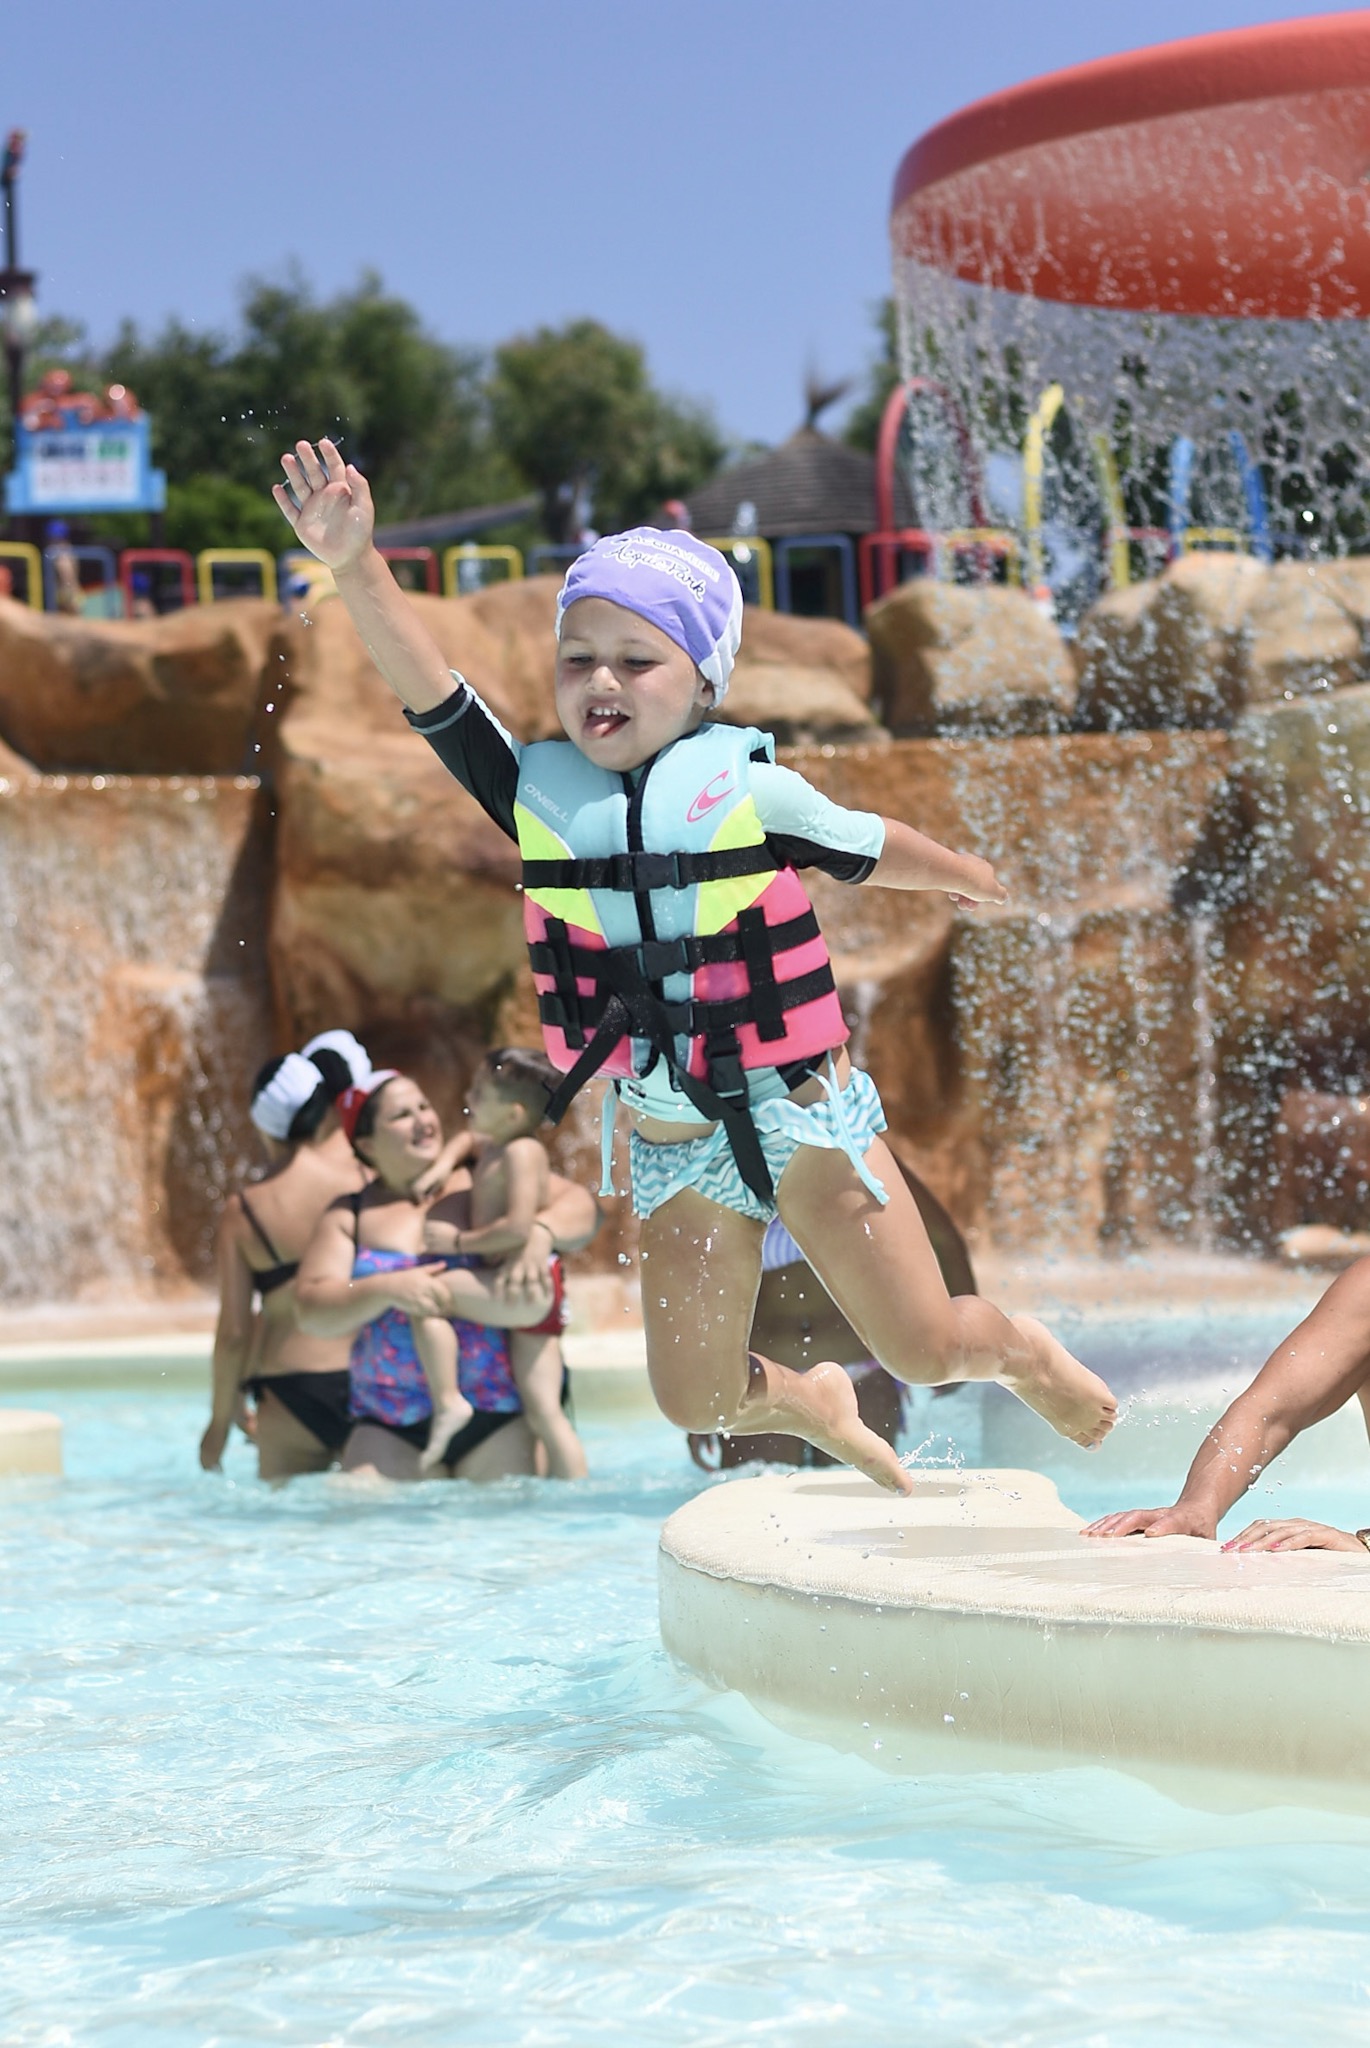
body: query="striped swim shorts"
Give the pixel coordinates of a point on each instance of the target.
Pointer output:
(848, 1121)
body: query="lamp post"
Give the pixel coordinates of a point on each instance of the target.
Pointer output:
(18, 312)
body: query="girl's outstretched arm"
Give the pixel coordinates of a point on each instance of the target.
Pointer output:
(910, 860)
(328, 504)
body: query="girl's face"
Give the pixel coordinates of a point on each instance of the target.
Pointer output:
(407, 1136)
(624, 689)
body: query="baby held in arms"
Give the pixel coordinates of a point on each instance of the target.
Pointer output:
(510, 1185)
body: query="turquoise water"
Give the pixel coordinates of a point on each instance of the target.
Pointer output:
(319, 1767)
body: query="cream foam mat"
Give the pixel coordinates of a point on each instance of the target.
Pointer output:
(971, 1622)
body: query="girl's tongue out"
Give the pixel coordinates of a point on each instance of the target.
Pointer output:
(602, 721)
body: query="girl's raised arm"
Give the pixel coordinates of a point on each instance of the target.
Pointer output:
(328, 504)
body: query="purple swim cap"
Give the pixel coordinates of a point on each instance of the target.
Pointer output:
(675, 582)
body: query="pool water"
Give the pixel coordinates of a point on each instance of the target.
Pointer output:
(328, 1766)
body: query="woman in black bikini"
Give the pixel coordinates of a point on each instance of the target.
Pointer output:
(299, 1381)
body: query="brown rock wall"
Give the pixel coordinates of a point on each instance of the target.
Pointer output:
(177, 695)
(975, 659)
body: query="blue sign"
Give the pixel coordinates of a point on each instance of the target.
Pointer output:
(102, 468)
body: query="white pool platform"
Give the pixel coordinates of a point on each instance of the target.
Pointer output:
(970, 1624)
(30, 1444)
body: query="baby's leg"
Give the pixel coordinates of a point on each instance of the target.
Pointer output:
(879, 1267)
(701, 1268)
(436, 1345)
(538, 1366)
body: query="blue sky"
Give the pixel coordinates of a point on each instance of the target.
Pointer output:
(709, 176)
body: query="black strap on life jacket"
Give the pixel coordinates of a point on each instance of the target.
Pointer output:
(555, 955)
(620, 981)
(623, 1004)
(637, 874)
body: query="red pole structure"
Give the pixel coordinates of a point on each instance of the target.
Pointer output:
(887, 448)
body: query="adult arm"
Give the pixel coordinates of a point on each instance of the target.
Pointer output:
(233, 1333)
(330, 1302)
(1308, 1377)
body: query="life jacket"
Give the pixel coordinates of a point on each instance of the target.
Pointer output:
(661, 926)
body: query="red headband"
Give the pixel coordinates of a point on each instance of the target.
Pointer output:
(352, 1101)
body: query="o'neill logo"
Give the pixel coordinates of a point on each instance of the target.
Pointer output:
(711, 796)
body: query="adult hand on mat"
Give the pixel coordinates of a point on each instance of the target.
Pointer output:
(328, 503)
(1296, 1535)
(1176, 1521)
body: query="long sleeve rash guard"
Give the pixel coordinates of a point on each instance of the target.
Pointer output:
(804, 828)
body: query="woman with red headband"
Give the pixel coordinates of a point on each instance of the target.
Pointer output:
(366, 1276)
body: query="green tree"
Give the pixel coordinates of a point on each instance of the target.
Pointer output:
(575, 412)
(409, 409)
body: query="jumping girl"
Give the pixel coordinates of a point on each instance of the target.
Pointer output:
(676, 954)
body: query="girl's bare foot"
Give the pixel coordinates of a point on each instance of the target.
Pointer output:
(1074, 1400)
(447, 1420)
(825, 1413)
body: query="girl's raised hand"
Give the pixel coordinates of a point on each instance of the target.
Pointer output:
(327, 502)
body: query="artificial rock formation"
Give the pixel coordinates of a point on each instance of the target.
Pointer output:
(1217, 633)
(1185, 942)
(171, 696)
(1043, 1059)
(979, 659)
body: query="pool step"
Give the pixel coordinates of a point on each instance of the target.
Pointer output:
(30, 1443)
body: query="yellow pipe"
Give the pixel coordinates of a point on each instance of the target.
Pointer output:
(1216, 537)
(24, 551)
(209, 558)
(996, 537)
(741, 547)
(1034, 462)
(453, 558)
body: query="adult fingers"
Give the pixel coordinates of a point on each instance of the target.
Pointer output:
(1263, 1536)
(1126, 1522)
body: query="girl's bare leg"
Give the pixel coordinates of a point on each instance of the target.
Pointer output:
(285, 1448)
(436, 1345)
(701, 1268)
(538, 1367)
(878, 1265)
